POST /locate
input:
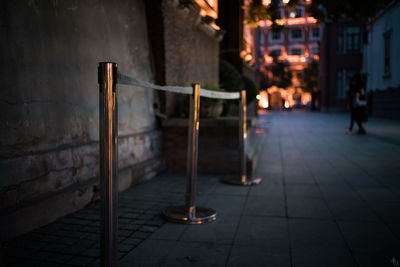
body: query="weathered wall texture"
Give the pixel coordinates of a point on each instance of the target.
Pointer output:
(191, 50)
(49, 159)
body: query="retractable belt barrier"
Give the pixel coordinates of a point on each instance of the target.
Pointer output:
(108, 78)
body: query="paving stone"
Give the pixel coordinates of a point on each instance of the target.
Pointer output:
(299, 178)
(329, 179)
(198, 254)
(265, 206)
(257, 257)
(270, 233)
(377, 195)
(130, 226)
(132, 241)
(221, 231)
(51, 257)
(54, 247)
(387, 258)
(226, 205)
(67, 240)
(148, 229)
(224, 189)
(170, 231)
(29, 263)
(18, 252)
(327, 257)
(342, 194)
(91, 252)
(267, 189)
(308, 208)
(158, 249)
(95, 263)
(351, 210)
(79, 247)
(124, 233)
(138, 234)
(365, 237)
(302, 191)
(80, 261)
(314, 233)
(331, 192)
(27, 244)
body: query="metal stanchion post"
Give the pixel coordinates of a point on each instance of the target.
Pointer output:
(108, 162)
(189, 213)
(242, 146)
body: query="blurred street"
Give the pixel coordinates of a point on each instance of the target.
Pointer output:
(327, 199)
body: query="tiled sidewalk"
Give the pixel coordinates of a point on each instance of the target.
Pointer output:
(327, 199)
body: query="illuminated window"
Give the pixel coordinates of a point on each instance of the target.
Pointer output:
(262, 38)
(276, 36)
(314, 50)
(266, 2)
(353, 39)
(387, 37)
(315, 33)
(297, 51)
(299, 13)
(296, 34)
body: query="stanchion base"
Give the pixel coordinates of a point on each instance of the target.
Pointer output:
(181, 214)
(236, 181)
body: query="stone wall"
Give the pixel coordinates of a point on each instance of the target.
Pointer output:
(49, 159)
(191, 51)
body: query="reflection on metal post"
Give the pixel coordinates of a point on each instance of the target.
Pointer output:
(242, 135)
(189, 213)
(242, 146)
(108, 162)
(192, 149)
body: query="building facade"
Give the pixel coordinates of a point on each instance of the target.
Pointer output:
(340, 58)
(296, 46)
(381, 62)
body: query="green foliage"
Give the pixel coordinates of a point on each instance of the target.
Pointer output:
(309, 78)
(229, 78)
(233, 81)
(282, 76)
(256, 11)
(356, 10)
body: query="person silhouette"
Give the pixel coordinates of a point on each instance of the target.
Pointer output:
(357, 103)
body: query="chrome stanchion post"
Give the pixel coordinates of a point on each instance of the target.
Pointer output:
(242, 136)
(107, 78)
(189, 213)
(192, 149)
(242, 146)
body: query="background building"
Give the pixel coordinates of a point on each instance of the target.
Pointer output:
(294, 48)
(340, 58)
(381, 64)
